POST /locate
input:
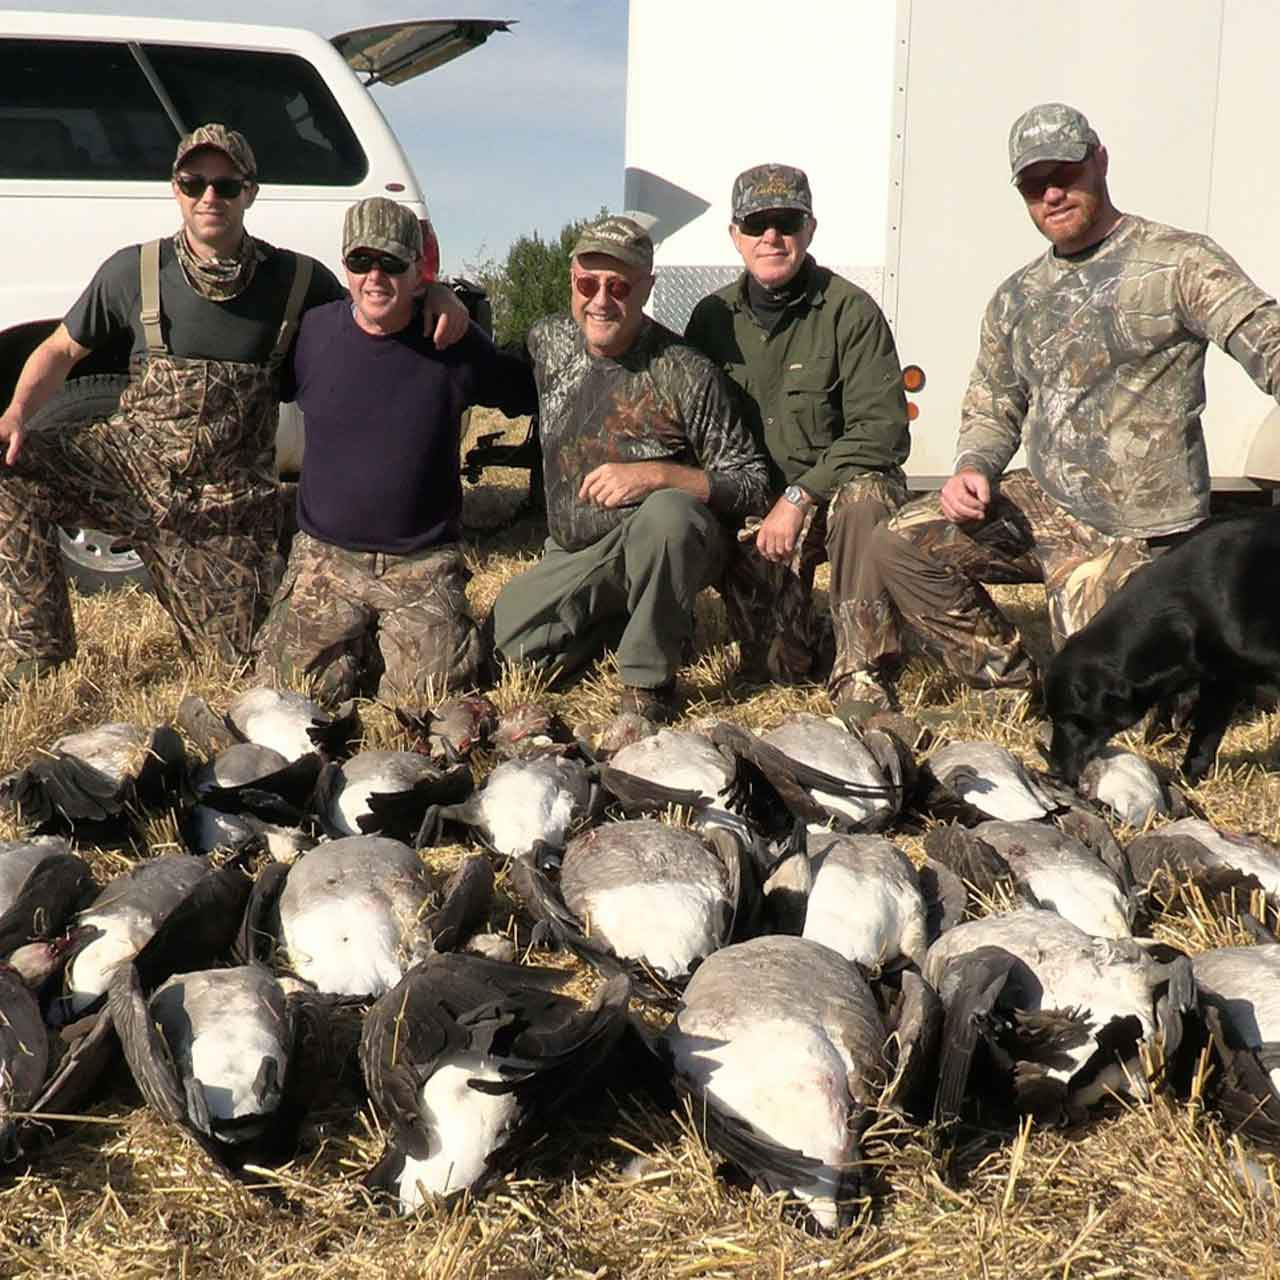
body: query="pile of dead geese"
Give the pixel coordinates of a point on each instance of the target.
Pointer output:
(799, 973)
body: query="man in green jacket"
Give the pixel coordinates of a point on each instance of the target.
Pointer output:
(821, 388)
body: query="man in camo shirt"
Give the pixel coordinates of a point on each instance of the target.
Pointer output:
(647, 465)
(1092, 357)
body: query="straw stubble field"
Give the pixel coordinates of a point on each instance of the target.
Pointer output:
(1151, 1190)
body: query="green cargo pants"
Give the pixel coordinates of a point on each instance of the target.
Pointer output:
(632, 591)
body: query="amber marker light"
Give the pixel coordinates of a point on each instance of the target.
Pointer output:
(913, 378)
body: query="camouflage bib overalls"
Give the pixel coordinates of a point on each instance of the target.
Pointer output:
(182, 470)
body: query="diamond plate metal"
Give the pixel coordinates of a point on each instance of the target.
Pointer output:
(677, 290)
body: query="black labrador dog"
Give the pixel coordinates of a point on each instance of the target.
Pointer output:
(1203, 617)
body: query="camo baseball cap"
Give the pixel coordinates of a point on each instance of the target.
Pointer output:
(382, 224)
(620, 237)
(770, 186)
(233, 145)
(1051, 131)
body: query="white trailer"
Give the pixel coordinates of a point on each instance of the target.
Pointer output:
(899, 111)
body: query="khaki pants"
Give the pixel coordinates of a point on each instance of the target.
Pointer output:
(342, 617)
(632, 591)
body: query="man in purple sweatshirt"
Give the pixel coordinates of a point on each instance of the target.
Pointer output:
(376, 581)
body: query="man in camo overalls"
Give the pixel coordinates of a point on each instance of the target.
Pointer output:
(1092, 357)
(183, 469)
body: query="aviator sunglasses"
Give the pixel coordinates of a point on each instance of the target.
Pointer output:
(618, 289)
(192, 186)
(787, 222)
(361, 261)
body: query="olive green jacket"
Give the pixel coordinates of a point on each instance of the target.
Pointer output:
(823, 392)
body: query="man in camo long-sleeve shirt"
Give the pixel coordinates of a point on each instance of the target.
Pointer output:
(1092, 356)
(647, 465)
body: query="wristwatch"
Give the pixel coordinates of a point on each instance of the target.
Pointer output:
(798, 497)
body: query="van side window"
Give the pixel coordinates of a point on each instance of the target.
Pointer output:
(277, 100)
(75, 109)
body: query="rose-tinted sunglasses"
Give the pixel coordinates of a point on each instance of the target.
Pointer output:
(361, 261)
(192, 186)
(787, 222)
(617, 288)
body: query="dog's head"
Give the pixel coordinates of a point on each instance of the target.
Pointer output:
(1088, 698)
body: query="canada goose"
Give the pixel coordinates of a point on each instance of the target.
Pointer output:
(219, 1051)
(24, 1055)
(1240, 991)
(42, 885)
(1062, 875)
(643, 893)
(386, 793)
(531, 729)
(1192, 846)
(291, 724)
(1058, 1011)
(865, 901)
(249, 778)
(989, 778)
(525, 808)
(820, 772)
(196, 904)
(94, 775)
(781, 1047)
(352, 914)
(469, 1060)
(1126, 784)
(454, 729)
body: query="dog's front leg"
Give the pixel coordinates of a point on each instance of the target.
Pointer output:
(1213, 711)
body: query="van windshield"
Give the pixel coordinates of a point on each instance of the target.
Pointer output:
(84, 110)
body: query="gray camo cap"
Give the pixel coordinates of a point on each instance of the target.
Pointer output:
(217, 137)
(382, 224)
(619, 237)
(1051, 131)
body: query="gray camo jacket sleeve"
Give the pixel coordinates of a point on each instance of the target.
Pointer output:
(735, 468)
(995, 404)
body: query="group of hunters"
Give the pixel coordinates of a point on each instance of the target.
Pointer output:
(770, 436)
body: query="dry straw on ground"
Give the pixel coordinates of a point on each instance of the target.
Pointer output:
(1154, 1190)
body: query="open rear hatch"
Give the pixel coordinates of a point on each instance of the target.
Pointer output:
(398, 51)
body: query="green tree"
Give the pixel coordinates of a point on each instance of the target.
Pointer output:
(533, 281)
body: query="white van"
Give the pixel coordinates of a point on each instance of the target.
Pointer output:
(90, 116)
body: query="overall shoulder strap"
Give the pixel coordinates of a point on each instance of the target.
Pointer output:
(302, 271)
(149, 274)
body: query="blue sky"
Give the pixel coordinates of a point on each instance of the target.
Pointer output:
(524, 133)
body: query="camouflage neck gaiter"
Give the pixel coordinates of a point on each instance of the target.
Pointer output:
(219, 279)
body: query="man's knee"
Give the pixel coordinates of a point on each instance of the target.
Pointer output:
(670, 514)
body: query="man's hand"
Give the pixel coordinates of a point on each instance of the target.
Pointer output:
(444, 318)
(965, 496)
(12, 433)
(776, 537)
(622, 484)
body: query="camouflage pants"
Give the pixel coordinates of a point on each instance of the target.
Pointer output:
(342, 617)
(934, 570)
(770, 606)
(209, 547)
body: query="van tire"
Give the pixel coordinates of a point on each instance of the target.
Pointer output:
(94, 560)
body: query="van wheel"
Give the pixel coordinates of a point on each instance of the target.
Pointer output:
(95, 560)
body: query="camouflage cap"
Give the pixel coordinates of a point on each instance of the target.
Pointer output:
(1051, 131)
(770, 186)
(382, 224)
(620, 237)
(233, 145)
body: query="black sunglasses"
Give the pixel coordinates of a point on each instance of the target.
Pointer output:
(192, 186)
(361, 261)
(787, 222)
